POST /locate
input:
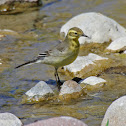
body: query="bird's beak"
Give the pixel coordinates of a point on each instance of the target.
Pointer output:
(85, 35)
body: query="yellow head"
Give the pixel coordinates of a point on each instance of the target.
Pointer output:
(75, 33)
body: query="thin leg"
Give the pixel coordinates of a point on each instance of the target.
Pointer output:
(56, 75)
(57, 78)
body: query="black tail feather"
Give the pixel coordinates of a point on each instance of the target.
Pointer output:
(24, 64)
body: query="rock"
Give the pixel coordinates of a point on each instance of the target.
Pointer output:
(8, 119)
(59, 121)
(116, 113)
(6, 1)
(87, 65)
(98, 27)
(17, 6)
(118, 45)
(70, 90)
(40, 92)
(92, 80)
(125, 52)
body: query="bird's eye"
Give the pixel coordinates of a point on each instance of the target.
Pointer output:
(75, 33)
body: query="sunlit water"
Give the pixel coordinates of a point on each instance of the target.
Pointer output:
(39, 31)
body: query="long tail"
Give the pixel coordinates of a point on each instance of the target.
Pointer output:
(27, 63)
(37, 60)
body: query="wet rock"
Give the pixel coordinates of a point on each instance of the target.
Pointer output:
(118, 45)
(59, 121)
(40, 92)
(116, 113)
(9, 1)
(70, 90)
(98, 27)
(89, 65)
(8, 119)
(92, 80)
(17, 6)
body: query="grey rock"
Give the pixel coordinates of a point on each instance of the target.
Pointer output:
(59, 121)
(70, 87)
(40, 89)
(8, 119)
(116, 113)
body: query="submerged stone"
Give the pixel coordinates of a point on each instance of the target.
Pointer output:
(92, 80)
(9, 119)
(98, 27)
(116, 113)
(70, 90)
(40, 92)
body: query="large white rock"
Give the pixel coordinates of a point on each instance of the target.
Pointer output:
(83, 61)
(116, 113)
(40, 89)
(8, 119)
(98, 27)
(92, 80)
(118, 44)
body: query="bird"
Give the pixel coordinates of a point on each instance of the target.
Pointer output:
(62, 54)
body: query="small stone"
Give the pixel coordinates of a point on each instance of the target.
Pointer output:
(92, 80)
(8, 119)
(70, 90)
(39, 92)
(116, 113)
(118, 44)
(59, 121)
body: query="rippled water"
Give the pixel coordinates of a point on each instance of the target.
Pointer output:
(39, 29)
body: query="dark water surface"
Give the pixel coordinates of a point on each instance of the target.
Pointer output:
(39, 31)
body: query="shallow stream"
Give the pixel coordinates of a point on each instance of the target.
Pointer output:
(38, 31)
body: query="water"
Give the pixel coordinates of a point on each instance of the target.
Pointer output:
(38, 31)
